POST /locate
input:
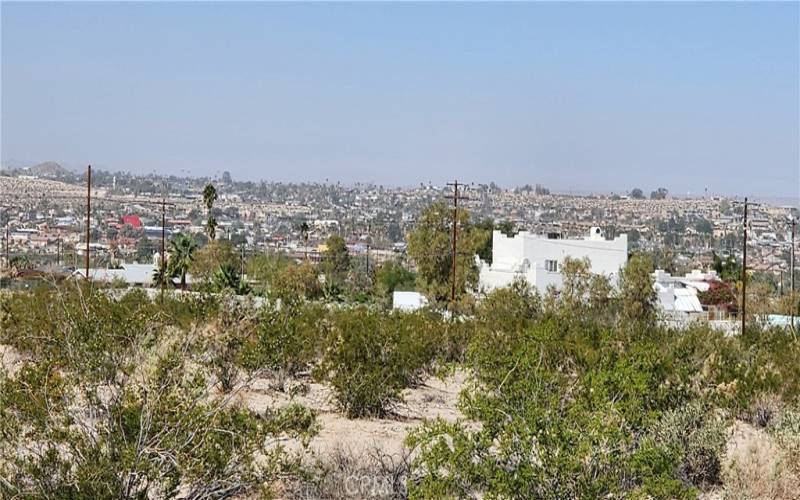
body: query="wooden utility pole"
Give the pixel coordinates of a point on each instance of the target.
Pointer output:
(163, 244)
(454, 254)
(8, 254)
(368, 236)
(88, 214)
(241, 271)
(744, 270)
(791, 270)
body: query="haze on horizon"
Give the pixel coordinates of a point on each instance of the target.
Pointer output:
(585, 97)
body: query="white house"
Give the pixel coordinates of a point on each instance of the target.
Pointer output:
(538, 258)
(677, 295)
(130, 274)
(408, 301)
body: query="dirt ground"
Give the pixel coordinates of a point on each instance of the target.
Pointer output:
(433, 398)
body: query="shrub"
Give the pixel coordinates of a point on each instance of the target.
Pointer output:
(152, 435)
(344, 474)
(287, 340)
(757, 467)
(698, 436)
(111, 404)
(371, 356)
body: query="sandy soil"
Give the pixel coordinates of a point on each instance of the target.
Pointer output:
(433, 398)
(10, 359)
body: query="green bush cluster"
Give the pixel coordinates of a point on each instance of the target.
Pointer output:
(371, 356)
(577, 394)
(110, 400)
(573, 400)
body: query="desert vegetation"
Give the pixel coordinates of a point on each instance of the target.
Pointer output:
(238, 391)
(106, 394)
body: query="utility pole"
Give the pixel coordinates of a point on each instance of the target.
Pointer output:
(241, 272)
(791, 270)
(368, 228)
(455, 199)
(744, 270)
(8, 255)
(88, 214)
(163, 241)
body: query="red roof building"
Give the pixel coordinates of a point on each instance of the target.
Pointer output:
(132, 220)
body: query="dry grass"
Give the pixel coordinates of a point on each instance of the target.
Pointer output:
(756, 467)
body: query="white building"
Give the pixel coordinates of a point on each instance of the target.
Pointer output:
(677, 295)
(538, 258)
(408, 301)
(130, 274)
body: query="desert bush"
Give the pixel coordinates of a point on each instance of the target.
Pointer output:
(370, 356)
(185, 310)
(345, 474)
(110, 403)
(698, 435)
(585, 407)
(786, 432)
(227, 337)
(156, 434)
(78, 328)
(757, 467)
(288, 339)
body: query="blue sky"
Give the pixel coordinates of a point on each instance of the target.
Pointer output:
(576, 96)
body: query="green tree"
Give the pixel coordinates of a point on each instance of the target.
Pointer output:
(576, 282)
(392, 275)
(659, 194)
(728, 269)
(183, 248)
(335, 259)
(636, 293)
(488, 225)
(704, 226)
(265, 268)
(296, 283)
(304, 230)
(430, 248)
(145, 248)
(209, 197)
(211, 257)
(226, 277)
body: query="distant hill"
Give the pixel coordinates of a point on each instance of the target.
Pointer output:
(49, 169)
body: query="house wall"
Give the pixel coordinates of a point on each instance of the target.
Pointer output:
(524, 255)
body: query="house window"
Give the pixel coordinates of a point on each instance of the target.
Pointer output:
(551, 266)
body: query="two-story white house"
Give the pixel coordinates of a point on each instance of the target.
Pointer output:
(538, 258)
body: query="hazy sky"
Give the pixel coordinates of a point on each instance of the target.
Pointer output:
(600, 96)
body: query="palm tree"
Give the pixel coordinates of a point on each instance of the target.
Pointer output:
(182, 248)
(304, 231)
(227, 276)
(209, 197)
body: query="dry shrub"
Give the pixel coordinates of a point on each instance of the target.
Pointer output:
(757, 467)
(765, 410)
(345, 474)
(787, 435)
